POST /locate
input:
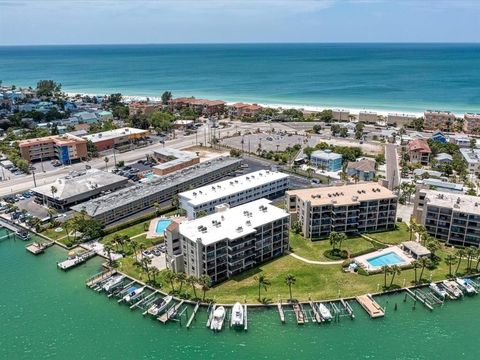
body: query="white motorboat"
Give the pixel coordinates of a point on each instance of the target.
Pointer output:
(453, 288)
(112, 282)
(237, 315)
(132, 293)
(218, 317)
(466, 286)
(159, 305)
(324, 312)
(437, 290)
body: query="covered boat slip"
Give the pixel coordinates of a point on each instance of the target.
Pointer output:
(316, 312)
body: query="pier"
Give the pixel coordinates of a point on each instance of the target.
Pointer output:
(371, 306)
(95, 279)
(210, 310)
(245, 319)
(417, 295)
(194, 313)
(170, 313)
(77, 260)
(141, 301)
(299, 314)
(37, 248)
(281, 313)
(347, 308)
(316, 316)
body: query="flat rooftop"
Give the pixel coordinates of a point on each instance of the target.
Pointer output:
(113, 134)
(138, 191)
(77, 183)
(471, 157)
(231, 186)
(326, 155)
(459, 202)
(176, 157)
(65, 139)
(343, 195)
(232, 223)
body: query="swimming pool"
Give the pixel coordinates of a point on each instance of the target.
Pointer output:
(390, 258)
(162, 224)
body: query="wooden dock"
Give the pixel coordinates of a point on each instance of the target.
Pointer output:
(245, 318)
(316, 316)
(416, 295)
(370, 305)
(95, 279)
(281, 313)
(194, 313)
(211, 309)
(38, 248)
(141, 301)
(347, 308)
(170, 313)
(77, 260)
(298, 314)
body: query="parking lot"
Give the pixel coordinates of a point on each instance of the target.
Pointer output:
(157, 255)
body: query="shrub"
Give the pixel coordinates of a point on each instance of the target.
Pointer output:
(362, 271)
(336, 255)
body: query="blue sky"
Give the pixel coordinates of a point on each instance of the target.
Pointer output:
(24, 22)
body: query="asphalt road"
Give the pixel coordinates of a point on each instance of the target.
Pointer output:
(391, 159)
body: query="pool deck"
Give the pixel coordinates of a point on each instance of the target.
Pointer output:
(152, 228)
(362, 260)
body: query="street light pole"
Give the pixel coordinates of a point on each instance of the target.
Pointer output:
(32, 169)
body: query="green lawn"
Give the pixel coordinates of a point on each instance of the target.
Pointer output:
(130, 231)
(313, 250)
(52, 234)
(394, 237)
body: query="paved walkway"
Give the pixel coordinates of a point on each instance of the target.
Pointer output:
(314, 262)
(136, 236)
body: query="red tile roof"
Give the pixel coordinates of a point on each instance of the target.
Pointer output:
(419, 145)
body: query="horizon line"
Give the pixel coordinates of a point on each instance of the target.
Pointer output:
(258, 43)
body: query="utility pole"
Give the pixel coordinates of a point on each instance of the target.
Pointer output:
(114, 157)
(32, 169)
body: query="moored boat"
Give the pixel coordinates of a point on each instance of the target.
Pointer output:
(23, 235)
(132, 293)
(438, 291)
(237, 315)
(453, 288)
(218, 317)
(112, 282)
(324, 312)
(469, 289)
(159, 305)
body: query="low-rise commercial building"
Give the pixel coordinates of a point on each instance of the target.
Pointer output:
(78, 187)
(471, 123)
(142, 197)
(202, 106)
(171, 160)
(419, 151)
(66, 148)
(438, 120)
(349, 209)
(454, 218)
(368, 117)
(326, 160)
(117, 137)
(400, 120)
(234, 192)
(228, 242)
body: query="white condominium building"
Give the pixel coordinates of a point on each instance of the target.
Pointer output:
(228, 242)
(234, 192)
(350, 209)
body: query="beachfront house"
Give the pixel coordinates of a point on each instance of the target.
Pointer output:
(326, 160)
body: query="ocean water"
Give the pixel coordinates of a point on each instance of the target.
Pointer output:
(46, 313)
(403, 77)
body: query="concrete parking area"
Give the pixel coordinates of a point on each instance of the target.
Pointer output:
(33, 208)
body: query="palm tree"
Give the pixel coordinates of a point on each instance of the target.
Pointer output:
(262, 282)
(156, 205)
(470, 252)
(53, 190)
(460, 254)
(395, 270)
(415, 264)
(175, 201)
(50, 213)
(192, 281)
(450, 260)
(424, 261)
(206, 283)
(106, 163)
(155, 272)
(145, 264)
(336, 239)
(134, 245)
(433, 245)
(181, 278)
(289, 281)
(169, 276)
(413, 228)
(108, 248)
(118, 239)
(386, 270)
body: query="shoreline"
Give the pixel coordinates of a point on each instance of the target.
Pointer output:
(305, 107)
